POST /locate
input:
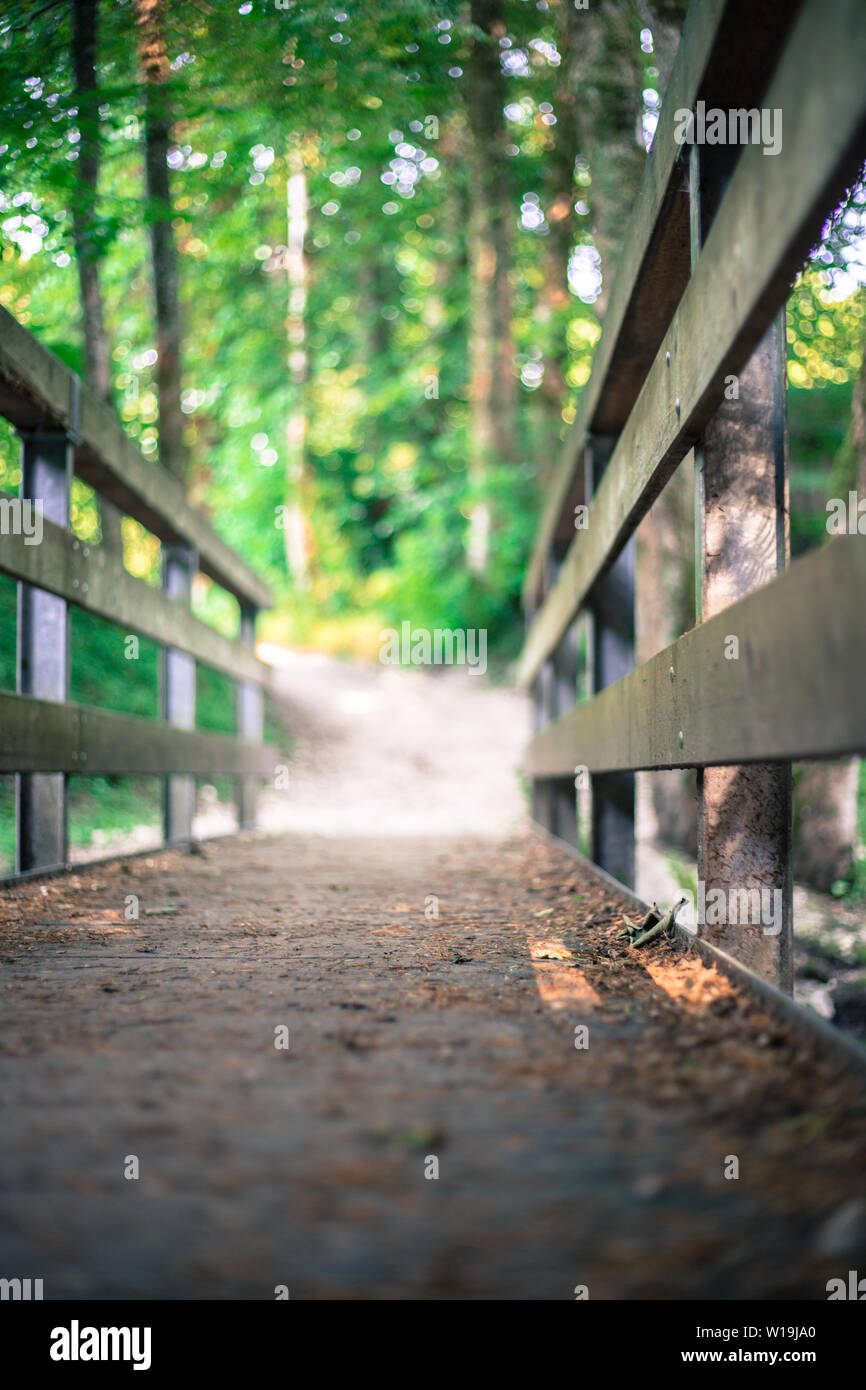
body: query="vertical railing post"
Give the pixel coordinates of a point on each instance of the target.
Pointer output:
(563, 790)
(178, 696)
(554, 691)
(542, 811)
(612, 606)
(43, 653)
(250, 724)
(542, 800)
(741, 506)
(111, 525)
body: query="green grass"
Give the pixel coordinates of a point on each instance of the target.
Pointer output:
(7, 824)
(111, 805)
(214, 701)
(102, 674)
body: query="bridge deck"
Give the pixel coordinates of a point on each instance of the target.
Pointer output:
(408, 1038)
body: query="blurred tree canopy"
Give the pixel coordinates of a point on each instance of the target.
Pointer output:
(450, 268)
(374, 372)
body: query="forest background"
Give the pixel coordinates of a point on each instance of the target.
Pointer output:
(343, 269)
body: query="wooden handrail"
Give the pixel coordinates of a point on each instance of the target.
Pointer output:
(47, 736)
(775, 668)
(794, 691)
(37, 390)
(44, 737)
(92, 579)
(769, 217)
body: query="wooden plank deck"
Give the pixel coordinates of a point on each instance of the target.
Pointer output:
(409, 1040)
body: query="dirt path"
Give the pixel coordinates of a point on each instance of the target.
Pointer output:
(387, 751)
(411, 1039)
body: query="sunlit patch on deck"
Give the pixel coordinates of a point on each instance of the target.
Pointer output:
(560, 984)
(690, 983)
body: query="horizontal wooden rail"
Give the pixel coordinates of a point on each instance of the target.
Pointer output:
(772, 212)
(796, 690)
(655, 265)
(91, 578)
(38, 390)
(46, 736)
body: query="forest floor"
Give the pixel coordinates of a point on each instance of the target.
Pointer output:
(439, 1125)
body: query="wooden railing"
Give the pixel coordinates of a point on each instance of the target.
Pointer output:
(717, 236)
(44, 737)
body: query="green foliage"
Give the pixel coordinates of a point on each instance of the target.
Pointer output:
(817, 424)
(429, 583)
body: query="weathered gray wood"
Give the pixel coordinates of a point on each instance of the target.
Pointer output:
(250, 725)
(93, 578)
(563, 792)
(178, 695)
(43, 652)
(543, 712)
(611, 603)
(770, 215)
(654, 268)
(36, 389)
(45, 736)
(554, 804)
(742, 535)
(796, 691)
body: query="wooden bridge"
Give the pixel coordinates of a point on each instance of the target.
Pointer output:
(495, 1098)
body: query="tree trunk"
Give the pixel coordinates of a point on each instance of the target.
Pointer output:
(297, 533)
(157, 139)
(664, 609)
(614, 67)
(560, 214)
(493, 389)
(825, 822)
(97, 354)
